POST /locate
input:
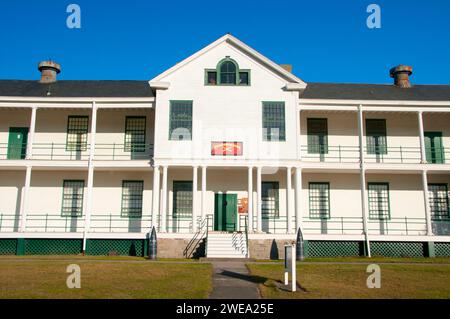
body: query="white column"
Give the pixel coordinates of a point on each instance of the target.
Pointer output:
(155, 200)
(259, 201)
(24, 200)
(363, 179)
(203, 192)
(194, 198)
(427, 202)
(423, 156)
(31, 133)
(250, 198)
(164, 201)
(289, 199)
(298, 197)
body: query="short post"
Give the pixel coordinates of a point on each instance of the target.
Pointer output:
(289, 266)
(152, 244)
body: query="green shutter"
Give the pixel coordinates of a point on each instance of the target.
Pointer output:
(17, 142)
(379, 203)
(438, 201)
(274, 121)
(132, 194)
(135, 131)
(72, 201)
(376, 136)
(182, 199)
(319, 200)
(77, 133)
(180, 118)
(434, 149)
(317, 136)
(270, 199)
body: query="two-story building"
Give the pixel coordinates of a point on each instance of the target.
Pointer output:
(226, 154)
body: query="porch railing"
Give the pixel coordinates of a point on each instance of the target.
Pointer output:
(9, 222)
(116, 223)
(54, 223)
(331, 154)
(115, 151)
(60, 151)
(398, 226)
(393, 154)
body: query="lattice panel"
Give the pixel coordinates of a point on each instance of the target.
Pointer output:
(442, 249)
(334, 248)
(123, 247)
(8, 246)
(53, 246)
(397, 249)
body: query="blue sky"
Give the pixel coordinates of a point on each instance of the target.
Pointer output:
(325, 41)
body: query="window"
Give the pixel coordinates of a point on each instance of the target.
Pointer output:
(182, 199)
(273, 121)
(132, 192)
(439, 202)
(319, 200)
(77, 132)
(376, 136)
(135, 134)
(317, 136)
(72, 201)
(227, 72)
(180, 127)
(270, 199)
(379, 201)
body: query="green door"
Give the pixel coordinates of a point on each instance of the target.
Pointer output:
(225, 212)
(17, 142)
(434, 148)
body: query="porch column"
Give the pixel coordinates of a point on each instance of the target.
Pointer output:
(164, 201)
(363, 179)
(289, 199)
(155, 202)
(298, 196)
(250, 198)
(203, 192)
(194, 198)
(259, 203)
(31, 133)
(423, 156)
(24, 200)
(427, 203)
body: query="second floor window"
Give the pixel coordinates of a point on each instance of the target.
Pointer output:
(132, 193)
(376, 136)
(317, 136)
(135, 134)
(77, 133)
(72, 200)
(273, 121)
(180, 126)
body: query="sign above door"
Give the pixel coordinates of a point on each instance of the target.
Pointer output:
(226, 148)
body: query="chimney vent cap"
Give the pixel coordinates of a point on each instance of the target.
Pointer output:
(49, 65)
(400, 69)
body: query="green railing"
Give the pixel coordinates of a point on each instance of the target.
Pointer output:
(60, 151)
(54, 223)
(393, 154)
(333, 225)
(398, 226)
(114, 151)
(332, 154)
(115, 223)
(12, 151)
(178, 225)
(9, 222)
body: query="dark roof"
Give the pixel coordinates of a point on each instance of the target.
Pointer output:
(76, 88)
(344, 91)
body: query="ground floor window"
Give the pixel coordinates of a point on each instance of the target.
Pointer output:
(182, 199)
(270, 199)
(132, 193)
(379, 207)
(439, 202)
(319, 200)
(72, 201)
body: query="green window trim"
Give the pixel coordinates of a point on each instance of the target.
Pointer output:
(434, 148)
(226, 77)
(270, 200)
(182, 200)
(135, 134)
(77, 133)
(439, 201)
(72, 198)
(273, 121)
(317, 131)
(319, 200)
(379, 201)
(376, 137)
(180, 120)
(132, 198)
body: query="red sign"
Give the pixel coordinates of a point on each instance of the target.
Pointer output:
(226, 148)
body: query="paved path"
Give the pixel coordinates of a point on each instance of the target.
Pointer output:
(232, 280)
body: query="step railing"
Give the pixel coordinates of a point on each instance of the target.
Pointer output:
(198, 237)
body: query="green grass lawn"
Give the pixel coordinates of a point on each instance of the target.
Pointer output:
(329, 280)
(28, 278)
(421, 260)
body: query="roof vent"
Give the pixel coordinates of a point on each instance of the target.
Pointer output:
(49, 70)
(401, 75)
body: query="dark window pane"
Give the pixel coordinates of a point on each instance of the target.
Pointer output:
(77, 132)
(243, 78)
(317, 136)
(438, 201)
(270, 199)
(180, 126)
(182, 199)
(212, 77)
(132, 192)
(273, 121)
(319, 200)
(228, 73)
(72, 201)
(135, 134)
(379, 201)
(376, 136)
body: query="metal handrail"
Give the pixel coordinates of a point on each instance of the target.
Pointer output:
(247, 255)
(194, 240)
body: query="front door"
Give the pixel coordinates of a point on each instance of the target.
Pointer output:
(434, 148)
(17, 142)
(225, 212)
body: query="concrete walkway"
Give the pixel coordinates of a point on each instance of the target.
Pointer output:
(232, 280)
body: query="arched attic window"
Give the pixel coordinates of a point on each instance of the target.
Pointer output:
(227, 72)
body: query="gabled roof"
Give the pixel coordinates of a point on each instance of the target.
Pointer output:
(103, 88)
(345, 91)
(243, 47)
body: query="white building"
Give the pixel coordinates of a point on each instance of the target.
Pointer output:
(226, 146)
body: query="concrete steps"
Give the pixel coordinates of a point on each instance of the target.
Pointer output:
(226, 245)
